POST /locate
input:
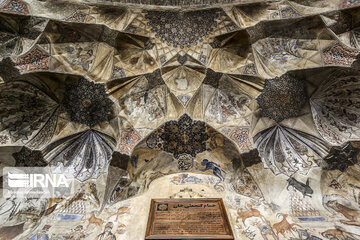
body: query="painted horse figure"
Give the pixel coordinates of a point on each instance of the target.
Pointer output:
(212, 166)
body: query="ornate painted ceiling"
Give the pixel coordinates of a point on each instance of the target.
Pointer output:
(256, 102)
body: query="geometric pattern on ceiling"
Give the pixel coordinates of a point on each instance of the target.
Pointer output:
(238, 70)
(260, 98)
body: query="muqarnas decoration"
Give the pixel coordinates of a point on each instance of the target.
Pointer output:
(181, 29)
(282, 98)
(18, 33)
(85, 155)
(28, 112)
(87, 102)
(285, 150)
(335, 107)
(183, 138)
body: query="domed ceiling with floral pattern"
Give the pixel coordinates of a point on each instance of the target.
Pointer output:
(255, 102)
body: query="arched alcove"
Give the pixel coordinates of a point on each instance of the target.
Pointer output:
(185, 146)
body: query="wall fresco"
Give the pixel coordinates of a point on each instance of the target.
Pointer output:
(256, 103)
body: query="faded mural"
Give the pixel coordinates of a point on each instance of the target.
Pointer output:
(257, 103)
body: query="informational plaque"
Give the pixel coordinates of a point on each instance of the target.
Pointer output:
(188, 219)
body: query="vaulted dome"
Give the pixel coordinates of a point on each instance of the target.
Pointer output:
(255, 102)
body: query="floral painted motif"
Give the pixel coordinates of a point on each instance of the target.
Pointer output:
(35, 60)
(128, 141)
(280, 50)
(339, 55)
(16, 6)
(241, 136)
(185, 161)
(289, 12)
(349, 3)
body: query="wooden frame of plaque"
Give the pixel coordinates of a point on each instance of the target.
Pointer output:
(194, 218)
